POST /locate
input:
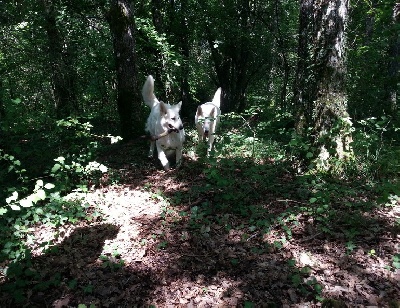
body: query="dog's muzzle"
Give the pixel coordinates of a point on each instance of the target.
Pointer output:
(172, 129)
(206, 133)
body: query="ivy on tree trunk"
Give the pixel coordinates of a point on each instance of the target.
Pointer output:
(392, 86)
(319, 89)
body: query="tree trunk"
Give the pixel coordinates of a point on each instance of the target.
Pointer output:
(121, 22)
(62, 72)
(2, 109)
(394, 64)
(185, 48)
(157, 7)
(179, 26)
(232, 60)
(283, 51)
(320, 79)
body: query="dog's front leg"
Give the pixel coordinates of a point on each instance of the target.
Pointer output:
(178, 156)
(162, 157)
(151, 151)
(210, 143)
(200, 132)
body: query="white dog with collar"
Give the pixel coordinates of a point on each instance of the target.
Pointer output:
(207, 119)
(164, 121)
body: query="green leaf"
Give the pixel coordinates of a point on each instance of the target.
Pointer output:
(60, 159)
(15, 207)
(41, 194)
(34, 198)
(313, 200)
(292, 262)
(13, 197)
(39, 183)
(396, 261)
(306, 270)
(3, 210)
(72, 284)
(234, 261)
(318, 288)
(55, 168)
(49, 186)
(25, 202)
(296, 280)
(248, 304)
(309, 155)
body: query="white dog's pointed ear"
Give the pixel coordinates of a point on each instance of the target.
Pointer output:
(199, 112)
(179, 105)
(163, 108)
(213, 112)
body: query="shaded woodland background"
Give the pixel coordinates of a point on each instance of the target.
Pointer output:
(308, 151)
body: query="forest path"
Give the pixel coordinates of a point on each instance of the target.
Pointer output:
(153, 246)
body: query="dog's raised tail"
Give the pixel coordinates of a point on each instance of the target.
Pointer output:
(217, 98)
(148, 92)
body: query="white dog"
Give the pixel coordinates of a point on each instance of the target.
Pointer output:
(207, 119)
(164, 125)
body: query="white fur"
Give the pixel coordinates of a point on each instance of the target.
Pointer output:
(207, 119)
(163, 117)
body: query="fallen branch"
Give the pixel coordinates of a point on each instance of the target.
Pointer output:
(163, 134)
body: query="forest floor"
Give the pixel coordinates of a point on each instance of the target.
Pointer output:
(163, 240)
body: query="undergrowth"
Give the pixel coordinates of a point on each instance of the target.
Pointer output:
(30, 200)
(253, 174)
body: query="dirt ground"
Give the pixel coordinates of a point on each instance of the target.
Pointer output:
(149, 252)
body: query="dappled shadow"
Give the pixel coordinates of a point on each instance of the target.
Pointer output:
(230, 232)
(240, 231)
(74, 271)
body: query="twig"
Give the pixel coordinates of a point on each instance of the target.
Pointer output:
(254, 235)
(310, 237)
(294, 201)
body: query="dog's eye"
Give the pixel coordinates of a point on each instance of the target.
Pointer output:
(173, 119)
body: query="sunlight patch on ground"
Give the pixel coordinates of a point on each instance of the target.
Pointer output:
(131, 210)
(120, 205)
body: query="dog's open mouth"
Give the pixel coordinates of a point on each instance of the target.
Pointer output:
(172, 129)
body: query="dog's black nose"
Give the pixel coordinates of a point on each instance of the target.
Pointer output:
(180, 127)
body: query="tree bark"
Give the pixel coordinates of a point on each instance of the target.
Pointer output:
(283, 51)
(394, 64)
(319, 88)
(185, 49)
(2, 109)
(232, 59)
(61, 62)
(121, 21)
